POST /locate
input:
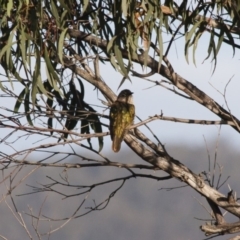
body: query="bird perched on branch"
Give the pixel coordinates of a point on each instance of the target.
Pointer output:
(122, 113)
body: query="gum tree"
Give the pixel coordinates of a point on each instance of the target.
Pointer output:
(51, 50)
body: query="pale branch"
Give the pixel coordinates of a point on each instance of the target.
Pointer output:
(49, 145)
(181, 172)
(11, 177)
(37, 130)
(182, 120)
(19, 218)
(151, 131)
(217, 212)
(162, 159)
(218, 187)
(203, 99)
(73, 153)
(225, 228)
(168, 189)
(158, 149)
(36, 226)
(160, 83)
(78, 165)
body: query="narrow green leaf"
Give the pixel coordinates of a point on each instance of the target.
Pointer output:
(195, 43)
(51, 74)
(230, 38)
(85, 126)
(60, 45)
(41, 88)
(113, 62)
(188, 37)
(10, 66)
(27, 108)
(1, 87)
(70, 124)
(81, 87)
(8, 46)
(55, 12)
(64, 5)
(95, 125)
(160, 46)
(9, 7)
(220, 40)
(49, 103)
(85, 129)
(186, 48)
(36, 75)
(214, 52)
(148, 15)
(210, 47)
(71, 121)
(119, 58)
(122, 81)
(50, 124)
(62, 18)
(22, 46)
(110, 44)
(85, 5)
(193, 29)
(125, 8)
(19, 100)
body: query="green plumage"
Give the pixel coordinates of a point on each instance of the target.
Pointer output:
(121, 117)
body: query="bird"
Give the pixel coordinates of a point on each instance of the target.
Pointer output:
(121, 116)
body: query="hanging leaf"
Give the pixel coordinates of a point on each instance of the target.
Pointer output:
(7, 47)
(27, 107)
(85, 129)
(9, 7)
(230, 38)
(95, 125)
(85, 5)
(188, 37)
(71, 121)
(36, 77)
(220, 40)
(50, 124)
(51, 73)
(55, 12)
(119, 58)
(19, 100)
(60, 45)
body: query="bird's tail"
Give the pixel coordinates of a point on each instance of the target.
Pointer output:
(116, 144)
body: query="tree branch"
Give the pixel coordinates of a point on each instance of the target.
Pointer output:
(181, 83)
(165, 162)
